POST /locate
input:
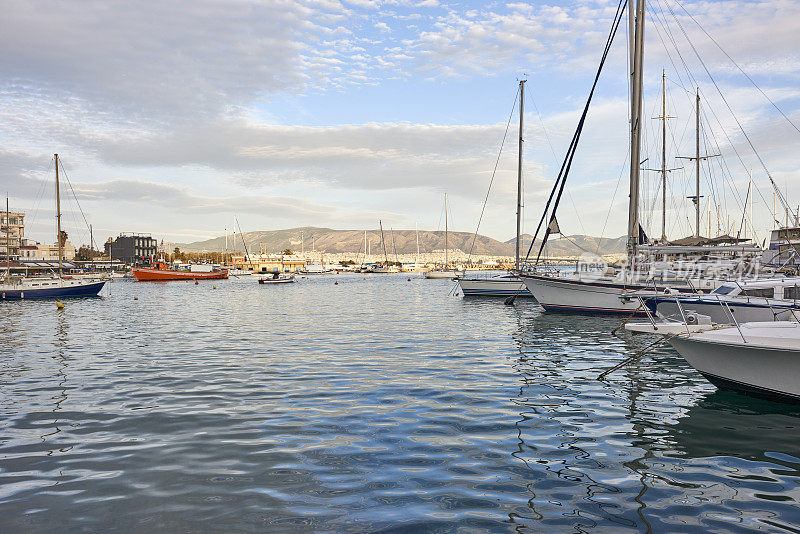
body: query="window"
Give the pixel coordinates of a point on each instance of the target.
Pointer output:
(791, 293)
(723, 289)
(768, 292)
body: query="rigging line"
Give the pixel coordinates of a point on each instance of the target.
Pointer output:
(74, 196)
(735, 118)
(39, 196)
(613, 197)
(494, 172)
(738, 67)
(741, 160)
(576, 136)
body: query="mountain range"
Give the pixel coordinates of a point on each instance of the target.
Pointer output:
(402, 241)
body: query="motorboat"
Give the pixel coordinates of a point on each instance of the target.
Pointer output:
(277, 278)
(450, 273)
(754, 357)
(160, 271)
(756, 300)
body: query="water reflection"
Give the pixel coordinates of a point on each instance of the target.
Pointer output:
(657, 416)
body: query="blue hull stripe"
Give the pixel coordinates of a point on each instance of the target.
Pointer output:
(591, 311)
(496, 292)
(88, 290)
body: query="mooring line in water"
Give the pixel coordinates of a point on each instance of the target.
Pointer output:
(635, 357)
(628, 318)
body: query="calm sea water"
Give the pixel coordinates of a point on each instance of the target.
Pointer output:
(375, 404)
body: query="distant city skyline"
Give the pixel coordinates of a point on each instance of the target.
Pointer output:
(172, 117)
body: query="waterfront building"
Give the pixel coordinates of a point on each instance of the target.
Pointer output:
(33, 250)
(12, 231)
(265, 263)
(132, 248)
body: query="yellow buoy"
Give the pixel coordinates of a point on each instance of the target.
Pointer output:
(135, 298)
(60, 305)
(213, 287)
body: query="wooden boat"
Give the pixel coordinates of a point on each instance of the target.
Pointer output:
(160, 271)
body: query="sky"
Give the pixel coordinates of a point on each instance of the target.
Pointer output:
(174, 117)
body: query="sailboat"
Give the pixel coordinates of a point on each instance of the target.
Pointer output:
(607, 292)
(385, 267)
(47, 287)
(505, 285)
(445, 271)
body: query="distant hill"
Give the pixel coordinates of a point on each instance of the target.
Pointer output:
(404, 241)
(574, 245)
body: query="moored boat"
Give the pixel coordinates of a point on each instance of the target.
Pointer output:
(277, 278)
(760, 357)
(160, 271)
(33, 288)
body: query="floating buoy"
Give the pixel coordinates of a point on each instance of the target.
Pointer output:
(196, 282)
(60, 305)
(409, 279)
(135, 298)
(213, 287)
(336, 283)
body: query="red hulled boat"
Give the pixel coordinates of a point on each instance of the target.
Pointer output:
(160, 271)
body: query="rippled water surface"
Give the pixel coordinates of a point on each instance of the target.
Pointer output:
(374, 404)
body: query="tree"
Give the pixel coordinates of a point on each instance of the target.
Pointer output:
(63, 237)
(287, 252)
(86, 254)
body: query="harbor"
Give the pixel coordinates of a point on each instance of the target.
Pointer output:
(426, 267)
(167, 404)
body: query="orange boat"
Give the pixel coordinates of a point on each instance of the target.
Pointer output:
(160, 271)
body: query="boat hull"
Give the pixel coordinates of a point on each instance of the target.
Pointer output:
(443, 274)
(753, 369)
(144, 274)
(592, 298)
(64, 290)
(500, 286)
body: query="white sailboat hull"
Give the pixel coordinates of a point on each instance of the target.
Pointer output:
(766, 364)
(575, 296)
(498, 286)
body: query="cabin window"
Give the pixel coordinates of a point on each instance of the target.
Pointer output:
(768, 292)
(723, 290)
(791, 293)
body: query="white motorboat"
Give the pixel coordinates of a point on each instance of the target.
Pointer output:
(766, 299)
(757, 357)
(443, 273)
(277, 278)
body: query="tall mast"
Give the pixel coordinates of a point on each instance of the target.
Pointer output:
(519, 168)
(446, 261)
(637, 55)
(697, 168)
(416, 230)
(697, 158)
(58, 216)
(663, 155)
(383, 242)
(8, 242)
(365, 246)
